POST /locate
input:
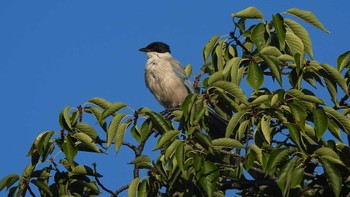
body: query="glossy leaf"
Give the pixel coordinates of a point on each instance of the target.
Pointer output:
(133, 187)
(295, 135)
(275, 66)
(303, 97)
(334, 177)
(336, 76)
(232, 89)
(295, 44)
(320, 121)
(104, 104)
(277, 157)
(42, 186)
(209, 47)
(87, 129)
(87, 140)
(250, 12)
(208, 180)
(301, 32)
(113, 128)
(180, 155)
(120, 135)
(188, 70)
(339, 118)
(343, 61)
(226, 143)
(255, 76)
(141, 160)
(278, 23)
(258, 36)
(265, 128)
(285, 177)
(8, 181)
(114, 107)
(233, 122)
(69, 149)
(165, 138)
(329, 154)
(159, 121)
(308, 17)
(85, 170)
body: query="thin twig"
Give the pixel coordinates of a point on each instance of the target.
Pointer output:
(120, 190)
(100, 184)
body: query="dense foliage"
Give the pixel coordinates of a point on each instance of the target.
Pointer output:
(288, 137)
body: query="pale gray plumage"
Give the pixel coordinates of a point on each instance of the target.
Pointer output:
(165, 77)
(167, 80)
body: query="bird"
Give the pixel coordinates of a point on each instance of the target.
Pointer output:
(166, 79)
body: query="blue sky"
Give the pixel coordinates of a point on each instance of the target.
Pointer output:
(59, 53)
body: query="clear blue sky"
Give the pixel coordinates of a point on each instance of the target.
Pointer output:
(59, 53)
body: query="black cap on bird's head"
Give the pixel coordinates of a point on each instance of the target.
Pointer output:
(159, 47)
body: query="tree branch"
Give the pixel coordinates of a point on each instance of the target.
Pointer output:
(120, 190)
(99, 183)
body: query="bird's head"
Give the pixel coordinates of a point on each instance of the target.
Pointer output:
(156, 47)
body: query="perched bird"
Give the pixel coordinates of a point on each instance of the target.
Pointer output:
(167, 81)
(165, 77)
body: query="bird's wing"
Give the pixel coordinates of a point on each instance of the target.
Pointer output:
(179, 71)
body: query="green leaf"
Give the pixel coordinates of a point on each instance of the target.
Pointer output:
(299, 113)
(285, 176)
(254, 148)
(208, 180)
(166, 138)
(113, 128)
(234, 121)
(334, 177)
(132, 191)
(270, 50)
(42, 186)
(87, 129)
(336, 76)
(87, 140)
(258, 36)
(104, 104)
(340, 119)
(334, 129)
(159, 121)
(294, 43)
(295, 135)
(320, 122)
(120, 135)
(255, 76)
(343, 61)
(308, 17)
(85, 170)
(303, 97)
(301, 32)
(44, 144)
(265, 128)
(142, 161)
(69, 149)
(298, 176)
(232, 89)
(171, 148)
(280, 30)
(275, 66)
(234, 64)
(226, 143)
(276, 158)
(65, 120)
(135, 133)
(180, 155)
(188, 70)
(114, 107)
(8, 181)
(209, 47)
(329, 154)
(250, 12)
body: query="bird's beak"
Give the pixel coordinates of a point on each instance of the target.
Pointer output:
(144, 50)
